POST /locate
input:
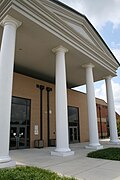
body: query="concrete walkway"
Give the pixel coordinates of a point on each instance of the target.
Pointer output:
(78, 166)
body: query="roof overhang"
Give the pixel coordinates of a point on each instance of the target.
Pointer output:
(46, 25)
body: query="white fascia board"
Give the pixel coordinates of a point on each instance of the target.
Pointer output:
(38, 13)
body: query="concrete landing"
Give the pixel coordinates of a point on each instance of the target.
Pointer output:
(78, 165)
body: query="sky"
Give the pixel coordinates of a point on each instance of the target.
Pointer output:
(105, 17)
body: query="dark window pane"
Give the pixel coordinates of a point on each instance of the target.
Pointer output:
(16, 100)
(73, 116)
(28, 113)
(18, 114)
(13, 132)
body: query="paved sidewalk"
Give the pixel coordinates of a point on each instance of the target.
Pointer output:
(78, 166)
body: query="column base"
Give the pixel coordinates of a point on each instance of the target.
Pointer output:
(95, 147)
(9, 164)
(4, 159)
(117, 142)
(62, 154)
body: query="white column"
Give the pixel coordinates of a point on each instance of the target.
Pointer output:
(62, 142)
(6, 77)
(111, 112)
(92, 115)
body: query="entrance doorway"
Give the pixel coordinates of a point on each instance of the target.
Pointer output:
(73, 133)
(17, 137)
(20, 123)
(73, 121)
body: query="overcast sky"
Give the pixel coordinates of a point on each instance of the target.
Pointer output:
(105, 17)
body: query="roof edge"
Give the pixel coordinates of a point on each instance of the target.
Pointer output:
(80, 14)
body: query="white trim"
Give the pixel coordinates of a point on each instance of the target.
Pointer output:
(38, 13)
(60, 48)
(10, 20)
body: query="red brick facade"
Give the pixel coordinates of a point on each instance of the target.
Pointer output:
(102, 116)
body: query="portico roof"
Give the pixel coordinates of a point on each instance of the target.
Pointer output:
(47, 24)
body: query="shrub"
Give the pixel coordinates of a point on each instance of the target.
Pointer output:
(108, 153)
(29, 173)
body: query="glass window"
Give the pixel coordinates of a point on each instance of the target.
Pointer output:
(73, 116)
(20, 111)
(17, 100)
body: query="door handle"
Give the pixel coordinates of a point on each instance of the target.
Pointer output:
(21, 134)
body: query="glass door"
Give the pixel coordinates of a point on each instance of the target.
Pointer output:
(13, 137)
(73, 134)
(17, 137)
(20, 123)
(22, 137)
(73, 122)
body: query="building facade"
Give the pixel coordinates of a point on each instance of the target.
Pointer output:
(33, 121)
(28, 111)
(102, 117)
(49, 41)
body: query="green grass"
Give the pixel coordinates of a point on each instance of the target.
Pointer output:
(29, 173)
(108, 153)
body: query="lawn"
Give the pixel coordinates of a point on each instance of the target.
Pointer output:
(108, 153)
(29, 173)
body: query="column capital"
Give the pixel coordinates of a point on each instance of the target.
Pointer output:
(60, 49)
(89, 65)
(10, 20)
(108, 77)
